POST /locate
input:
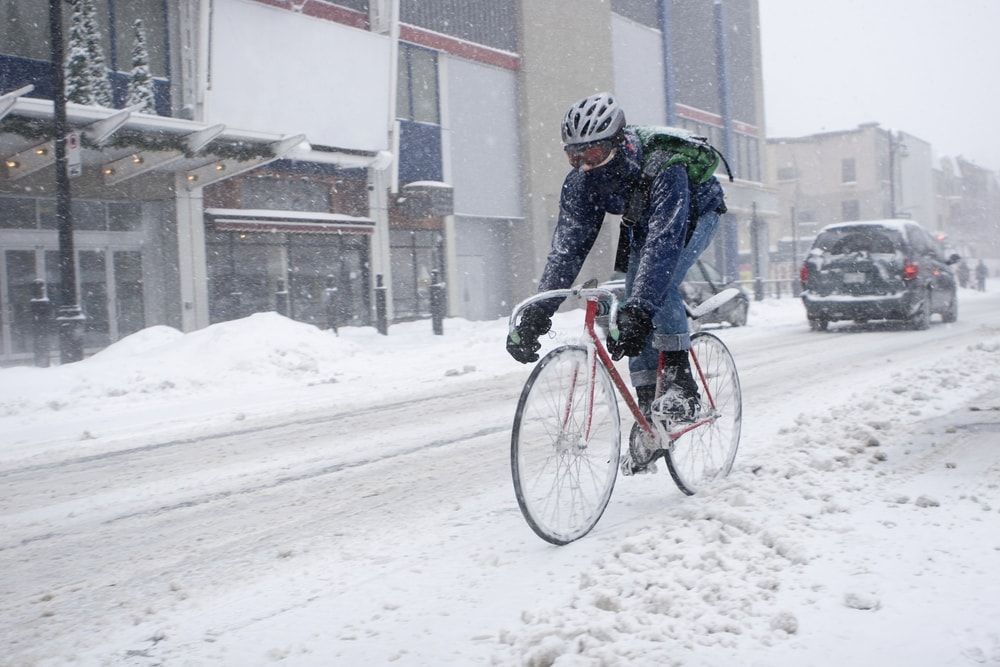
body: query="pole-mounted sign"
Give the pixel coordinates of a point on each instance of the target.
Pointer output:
(73, 165)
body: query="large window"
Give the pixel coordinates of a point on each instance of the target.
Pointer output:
(850, 210)
(286, 194)
(489, 22)
(417, 89)
(848, 171)
(24, 30)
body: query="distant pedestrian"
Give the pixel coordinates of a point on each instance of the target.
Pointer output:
(963, 274)
(981, 272)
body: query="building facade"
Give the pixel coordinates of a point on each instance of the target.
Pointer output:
(867, 173)
(385, 145)
(670, 62)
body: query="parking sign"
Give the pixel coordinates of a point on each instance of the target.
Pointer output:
(73, 166)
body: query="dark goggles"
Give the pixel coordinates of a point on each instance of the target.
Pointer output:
(590, 155)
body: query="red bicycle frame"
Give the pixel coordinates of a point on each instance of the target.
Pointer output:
(601, 353)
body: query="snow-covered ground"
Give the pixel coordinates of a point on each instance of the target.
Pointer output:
(261, 491)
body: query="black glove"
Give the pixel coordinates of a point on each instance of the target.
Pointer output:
(534, 322)
(634, 327)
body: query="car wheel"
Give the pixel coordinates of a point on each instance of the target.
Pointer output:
(739, 318)
(818, 323)
(921, 319)
(951, 314)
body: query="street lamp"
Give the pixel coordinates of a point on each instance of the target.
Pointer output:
(69, 317)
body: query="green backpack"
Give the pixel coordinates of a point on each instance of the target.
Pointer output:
(664, 147)
(667, 146)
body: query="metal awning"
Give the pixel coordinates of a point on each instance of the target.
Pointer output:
(121, 144)
(302, 222)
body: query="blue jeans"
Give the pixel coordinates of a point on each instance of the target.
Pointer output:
(670, 320)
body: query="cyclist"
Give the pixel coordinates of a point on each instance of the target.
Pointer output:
(677, 224)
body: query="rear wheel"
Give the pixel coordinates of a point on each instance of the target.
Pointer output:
(818, 323)
(564, 460)
(951, 314)
(921, 319)
(706, 453)
(739, 317)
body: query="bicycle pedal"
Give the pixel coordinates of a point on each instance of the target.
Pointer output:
(629, 469)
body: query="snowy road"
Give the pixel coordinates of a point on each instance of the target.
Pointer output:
(390, 533)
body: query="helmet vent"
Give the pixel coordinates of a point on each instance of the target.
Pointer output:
(594, 118)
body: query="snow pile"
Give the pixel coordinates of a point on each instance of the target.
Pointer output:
(805, 526)
(262, 348)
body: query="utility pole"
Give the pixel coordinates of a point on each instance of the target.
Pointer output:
(69, 317)
(892, 176)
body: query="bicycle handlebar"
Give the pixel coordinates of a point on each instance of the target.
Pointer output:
(581, 291)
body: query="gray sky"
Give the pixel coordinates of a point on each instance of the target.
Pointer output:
(927, 67)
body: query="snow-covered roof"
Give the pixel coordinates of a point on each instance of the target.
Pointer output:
(80, 116)
(897, 224)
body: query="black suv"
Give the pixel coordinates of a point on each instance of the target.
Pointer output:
(878, 270)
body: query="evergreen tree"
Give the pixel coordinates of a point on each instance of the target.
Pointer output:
(140, 81)
(78, 84)
(99, 82)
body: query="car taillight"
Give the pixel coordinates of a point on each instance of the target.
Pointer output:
(910, 270)
(804, 273)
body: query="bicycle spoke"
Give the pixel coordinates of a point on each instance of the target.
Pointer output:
(706, 452)
(563, 473)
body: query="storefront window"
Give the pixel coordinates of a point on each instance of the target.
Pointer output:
(415, 256)
(124, 217)
(129, 306)
(17, 213)
(94, 298)
(244, 270)
(20, 275)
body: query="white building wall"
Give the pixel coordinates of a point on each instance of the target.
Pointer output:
(916, 176)
(273, 70)
(483, 163)
(482, 134)
(638, 71)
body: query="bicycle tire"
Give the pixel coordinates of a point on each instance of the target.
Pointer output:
(563, 472)
(706, 453)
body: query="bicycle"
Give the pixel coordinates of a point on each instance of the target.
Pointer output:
(566, 438)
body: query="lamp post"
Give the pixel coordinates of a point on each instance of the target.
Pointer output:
(897, 149)
(69, 317)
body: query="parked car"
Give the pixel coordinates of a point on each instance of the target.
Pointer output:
(701, 282)
(878, 270)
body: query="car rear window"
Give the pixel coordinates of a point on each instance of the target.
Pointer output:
(846, 240)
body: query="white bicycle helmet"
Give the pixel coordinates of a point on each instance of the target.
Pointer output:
(592, 119)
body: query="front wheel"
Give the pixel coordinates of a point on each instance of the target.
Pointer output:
(565, 444)
(706, 453)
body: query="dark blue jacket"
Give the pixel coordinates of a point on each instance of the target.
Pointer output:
(659, 235)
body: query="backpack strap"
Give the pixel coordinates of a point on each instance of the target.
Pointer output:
(637, 205)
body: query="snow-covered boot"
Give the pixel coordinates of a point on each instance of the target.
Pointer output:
(680, 401)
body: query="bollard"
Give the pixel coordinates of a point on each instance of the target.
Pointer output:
(281, 299)
(235, 305)
(41, 322)
(331, 304)
(380, 318)
(437, 304)
(758, 289)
